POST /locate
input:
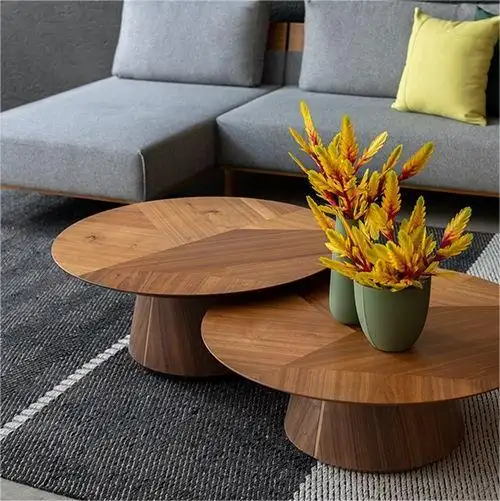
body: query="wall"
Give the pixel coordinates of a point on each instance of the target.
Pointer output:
(51, 46)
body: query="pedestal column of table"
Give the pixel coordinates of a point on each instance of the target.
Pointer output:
(165, 336)
(351, 405)
(377, 438)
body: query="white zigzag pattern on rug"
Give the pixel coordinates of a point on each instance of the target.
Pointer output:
(33, 409)
(487, 264)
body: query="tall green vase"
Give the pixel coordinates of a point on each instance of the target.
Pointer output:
(342, 304)
(392, 321)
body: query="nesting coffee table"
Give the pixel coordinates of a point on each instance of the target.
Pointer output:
(179, 256)
(351, 405)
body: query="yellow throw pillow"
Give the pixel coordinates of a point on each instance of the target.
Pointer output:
(447, 66)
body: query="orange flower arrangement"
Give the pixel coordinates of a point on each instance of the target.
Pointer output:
(373, 251)
(335, 178)
(378, 256)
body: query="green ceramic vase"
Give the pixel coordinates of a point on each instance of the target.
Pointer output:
(392, 321)
(342, 304)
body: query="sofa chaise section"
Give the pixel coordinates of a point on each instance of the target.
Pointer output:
(136, 135)
(256, 136)
(116, 138)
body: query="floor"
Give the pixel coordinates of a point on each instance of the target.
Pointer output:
(440, 208)
(13, 491)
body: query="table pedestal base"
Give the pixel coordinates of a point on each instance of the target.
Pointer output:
(166, 336)
(377, 438)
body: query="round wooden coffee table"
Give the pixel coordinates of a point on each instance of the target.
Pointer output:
(179, 255)
(351, 405)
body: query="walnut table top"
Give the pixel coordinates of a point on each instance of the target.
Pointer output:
(193, 246)
(291, 342)
(354, 406)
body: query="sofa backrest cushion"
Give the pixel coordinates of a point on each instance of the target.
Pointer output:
(193, 41)
(359, 47)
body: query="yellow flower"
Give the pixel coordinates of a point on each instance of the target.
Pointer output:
(318, 181)
(417, 162)
(393, 159)
(329, 163)
(405, 259)
(324, 222)
(348, 144)
(391, 201)
(300, 141)
(346, 269)
(333, 147)
(456, 226)
(374, 186)
(375, 146)
(375, 220)
(337, 243)
(417, 218)
(379, 252)
(298, 162)
(397, 257)
(461, 244)
(313, 136)
(337, 163)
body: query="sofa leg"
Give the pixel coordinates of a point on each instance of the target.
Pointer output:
(229, 182)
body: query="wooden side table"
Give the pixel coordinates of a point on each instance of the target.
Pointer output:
(178, 256)
(352, 405)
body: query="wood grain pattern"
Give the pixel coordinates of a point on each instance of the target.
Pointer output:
(291, 342)
(165, 336)
(277, 37)
(296, 37)
(229, 182)
(375, 438)
(230, 171)
(252, 170)
(193, 246)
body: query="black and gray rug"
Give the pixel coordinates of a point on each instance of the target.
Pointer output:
(81, 419)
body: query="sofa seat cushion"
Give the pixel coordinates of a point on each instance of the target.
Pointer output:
(116, 138)
(256, 136)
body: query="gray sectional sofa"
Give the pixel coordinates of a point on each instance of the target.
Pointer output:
(193, 88)
(354, 53)
(151, 125)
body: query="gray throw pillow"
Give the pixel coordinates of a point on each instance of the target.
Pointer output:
(359, 47)
(193, 41)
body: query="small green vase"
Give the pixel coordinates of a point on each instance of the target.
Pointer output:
(342, 304)
(392, 321)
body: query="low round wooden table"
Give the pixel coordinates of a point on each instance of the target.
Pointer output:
(179, 255)
(351, 405)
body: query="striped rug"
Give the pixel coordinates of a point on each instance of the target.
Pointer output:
(81, 419)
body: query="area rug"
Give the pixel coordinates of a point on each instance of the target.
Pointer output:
(81, 419)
